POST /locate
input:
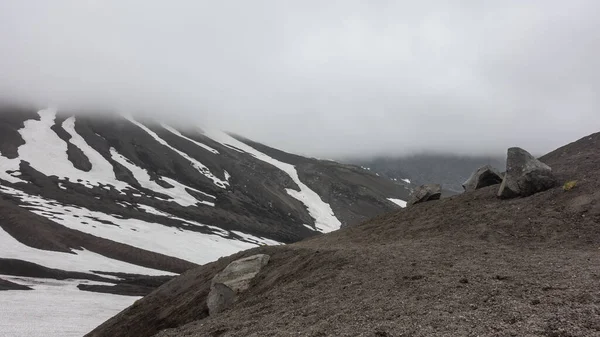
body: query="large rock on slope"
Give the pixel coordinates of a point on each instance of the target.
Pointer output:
(232, 280)
(219, 298)
(484, 176)
(525, 175)
(425, 193)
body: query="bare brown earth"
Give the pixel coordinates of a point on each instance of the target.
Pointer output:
(468, 265)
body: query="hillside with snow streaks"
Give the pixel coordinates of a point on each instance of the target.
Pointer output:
(196, 164)
(178, 192)
(176, 242)
(47, 153)
(177, 133)
(101, 170)
(325, 220)
(81, 261)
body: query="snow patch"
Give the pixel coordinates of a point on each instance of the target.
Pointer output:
(406, 180)
(398, 202)
(196, 164)
(178, 192)
(102, 170)
(325, 220)
(56, 308)
(82, 261)
(202, 145)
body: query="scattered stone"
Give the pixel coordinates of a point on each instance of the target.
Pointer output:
(220, 298)
(425, 193)
(483, 177)
(525, 175)
(232, 280)
(535, 302)
(464, 280)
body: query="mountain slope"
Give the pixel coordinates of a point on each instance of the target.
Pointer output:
(106, 199)
(449, 170)
(470, 264)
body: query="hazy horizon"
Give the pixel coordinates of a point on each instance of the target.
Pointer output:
(332, 79)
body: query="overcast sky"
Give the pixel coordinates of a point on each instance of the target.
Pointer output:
(325, 78)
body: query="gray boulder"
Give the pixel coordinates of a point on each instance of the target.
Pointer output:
(238, 274)
(219, 298)
(525, 175)
(425, 193)
(232, 280)
(484, 176)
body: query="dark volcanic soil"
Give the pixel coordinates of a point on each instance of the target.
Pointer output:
(7, 285)
(468, 265)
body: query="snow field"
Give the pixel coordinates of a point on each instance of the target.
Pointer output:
(55, 308)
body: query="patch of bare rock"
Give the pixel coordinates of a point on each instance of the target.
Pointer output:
(483, 177)
(233, 280)
(425, 193)
(525, 175)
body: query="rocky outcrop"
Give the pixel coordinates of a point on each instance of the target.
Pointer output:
(425, 193)
(484, 176)
(232, 280)
(525, 175)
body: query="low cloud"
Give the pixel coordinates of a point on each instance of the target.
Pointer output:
(323, 78)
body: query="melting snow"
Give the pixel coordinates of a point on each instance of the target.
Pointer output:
(325, 220)
(398, 202)
(9, 165)
(47, 153)
(406, 180)
(196, 164)
(55, 308)
(82, 261)
(204, 146)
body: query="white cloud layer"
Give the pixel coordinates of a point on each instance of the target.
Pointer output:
(324, 78)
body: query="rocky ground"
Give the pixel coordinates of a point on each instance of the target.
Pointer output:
(468, 265)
